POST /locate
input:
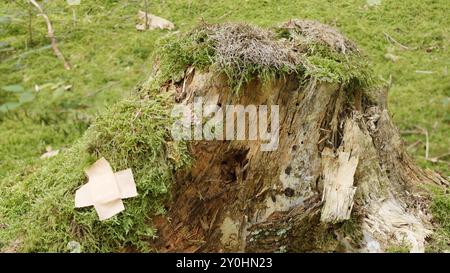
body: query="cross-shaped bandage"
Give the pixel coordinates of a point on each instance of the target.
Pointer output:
(105, 189)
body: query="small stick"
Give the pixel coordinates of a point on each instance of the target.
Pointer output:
(411, 132)
(443, 155)
(427, 146)
(30, 29)
(389, 38)
(224, 15)
(414, 144)
(323, 139)
(146, 14)
(74, 16)
(424, 72)
(358, 100)
(435, 160)
(325, 130)
(424, 132)
(51, 35)
(427, 142)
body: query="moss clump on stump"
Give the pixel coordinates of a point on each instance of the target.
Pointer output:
(244, 52)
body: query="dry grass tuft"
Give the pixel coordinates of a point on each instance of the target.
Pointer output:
(308, 32)
(236, 44)
(244, 52)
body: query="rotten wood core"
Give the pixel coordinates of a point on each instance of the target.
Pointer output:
(340, 179)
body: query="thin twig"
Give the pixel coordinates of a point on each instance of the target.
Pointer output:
(323, 139)
(424, 72)
(30, 29)
(392, 40)
(414, 144)
(51, 35)
(146, 14)
(427, 141)
(411, 132)
(435, 160)
(29, 52)
(74, 16)
(422, 131)
(224, 15)
(111, 84)
(427, 144)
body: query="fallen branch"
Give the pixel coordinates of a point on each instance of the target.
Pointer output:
(51, 35)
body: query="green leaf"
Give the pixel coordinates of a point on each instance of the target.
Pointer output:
(26, 97)
(9, 106)
(13, 88)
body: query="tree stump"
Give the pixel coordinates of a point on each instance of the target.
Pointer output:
(340, 179)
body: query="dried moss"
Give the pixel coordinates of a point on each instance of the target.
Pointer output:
(308, 32)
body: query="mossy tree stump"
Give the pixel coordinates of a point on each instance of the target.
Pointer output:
(340, 179)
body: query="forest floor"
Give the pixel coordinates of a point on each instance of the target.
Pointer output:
(407, 43)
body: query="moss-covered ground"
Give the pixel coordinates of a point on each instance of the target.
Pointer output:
(109, 58)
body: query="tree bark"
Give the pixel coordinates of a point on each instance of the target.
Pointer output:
(340, 179)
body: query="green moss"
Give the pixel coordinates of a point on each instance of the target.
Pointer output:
(440, 207)
(351, 70)
(351, 230)
(398, 249)
(176, 54)
(38, 209)
(312, 235)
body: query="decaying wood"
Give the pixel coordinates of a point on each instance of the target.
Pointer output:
(51, 35)
(340, 179)
(338, 186)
